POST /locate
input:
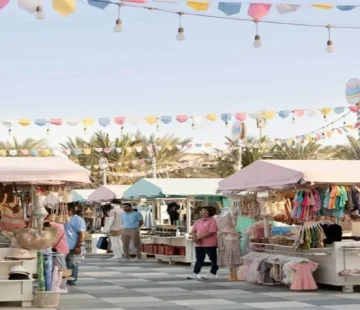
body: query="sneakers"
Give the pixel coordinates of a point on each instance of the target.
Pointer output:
(114, 258)
(194, 276)
(63, 290)
(210, 276)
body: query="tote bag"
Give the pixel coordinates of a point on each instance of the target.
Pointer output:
(10, 220)
(102, 243)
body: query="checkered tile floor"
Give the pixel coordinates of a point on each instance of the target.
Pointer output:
(149, 285)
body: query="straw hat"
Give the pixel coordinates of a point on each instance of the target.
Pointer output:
(18, 269)
(19, 254)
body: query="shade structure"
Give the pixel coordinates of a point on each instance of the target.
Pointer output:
(42, 170)
(281, 174)
(80, 195)
(108, 192)
(157, 188)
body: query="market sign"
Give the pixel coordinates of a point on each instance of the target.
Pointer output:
(352, 91)
(236, 131)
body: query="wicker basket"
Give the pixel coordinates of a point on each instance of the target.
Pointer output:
(47, 299)
(286, 242)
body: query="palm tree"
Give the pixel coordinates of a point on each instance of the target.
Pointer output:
(349, 151)
(296, 151)
(25, 147)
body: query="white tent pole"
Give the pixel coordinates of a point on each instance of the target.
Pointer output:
(188, 214)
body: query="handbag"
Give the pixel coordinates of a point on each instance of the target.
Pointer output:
(103, 243)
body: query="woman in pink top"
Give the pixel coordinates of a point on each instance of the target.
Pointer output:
(204, 233)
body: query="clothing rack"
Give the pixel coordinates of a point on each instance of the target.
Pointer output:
(292, 253)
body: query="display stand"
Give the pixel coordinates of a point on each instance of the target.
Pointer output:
(16, 290)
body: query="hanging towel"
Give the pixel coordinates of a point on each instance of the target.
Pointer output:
(40, 271)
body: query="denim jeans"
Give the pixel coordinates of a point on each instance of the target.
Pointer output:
(72, 262)
(201, 253)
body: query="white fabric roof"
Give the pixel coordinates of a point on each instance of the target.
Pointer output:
(172, 187)
(108, 192)
(277, 174)
(80, 194)
(42, 170)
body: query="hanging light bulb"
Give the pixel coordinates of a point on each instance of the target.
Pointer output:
(193, 126)
(9, 132)
(180, 35)
(257, 42)
(329, 44)
(48, 131)
(118, 23)
(39, 13)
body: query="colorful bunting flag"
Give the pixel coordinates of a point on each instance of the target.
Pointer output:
(211, 117)
(286, 8)
(229, 8)
(64, 7)
(345, 7)
(100, 5)
(166, 119)
(322, 6)
(181, 118)
(56, 121)
(3, 3)
(258, 10)
(104, 121)
(24, 122)
(240, 116)
(40, 122)
(284, 114)
(198, 5)
(151, 120)
(120, 120)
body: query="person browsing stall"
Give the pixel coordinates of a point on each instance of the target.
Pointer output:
(75, 233)
(204, 233)
(132, 221)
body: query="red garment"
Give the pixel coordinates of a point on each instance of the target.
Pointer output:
(304, 279)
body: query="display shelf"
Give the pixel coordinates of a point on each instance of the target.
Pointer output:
(7, 280)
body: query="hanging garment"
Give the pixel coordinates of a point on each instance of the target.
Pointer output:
(304, 279)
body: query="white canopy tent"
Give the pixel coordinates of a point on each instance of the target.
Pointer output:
(80, 195)
(107, 193)
(282, 174)
(42, 170)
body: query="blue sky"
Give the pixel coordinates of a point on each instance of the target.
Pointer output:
(77, 67)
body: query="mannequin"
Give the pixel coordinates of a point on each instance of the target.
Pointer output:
(113, 228)
(173, 209)
(228, 242)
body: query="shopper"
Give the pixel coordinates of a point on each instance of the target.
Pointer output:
(75, 233)
(132, 221)
(204, 233)
(60, 246)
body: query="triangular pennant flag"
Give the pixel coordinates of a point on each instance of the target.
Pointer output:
(120, 120)
(72, 122)
(284, 114)
(229, 8)
(34, 153)
(64, 7)
(7, 124)
(211, 117)
(87, 151)
(269, 114)
(104, 121)
(181, 118)
(3, 3)
(13, 152)
(40, 122)
(325, 111)
(189, 145)
(24, 122)
(207, 144)
(139, 149)
(179, 146)
(345, 7)
(98, 4)
(286, 8)
(118, 149)
(45, 152)
(88, 167)
(88, 122)
(354, 108)
(312, 112)
(166, 119)
(135, 120)
(151, 120)
(258, 10)
(107, 150)
(339, 110)
(299, 113)
(24, 152)
(98, 149)
(198, 144)
(322, 6)
(255, 115)
(240, 116)
(96, 167)
(350, 127)
(198, 6)
(226, 117)
(56, 121)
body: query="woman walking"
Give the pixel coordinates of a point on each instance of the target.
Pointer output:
(204, 233)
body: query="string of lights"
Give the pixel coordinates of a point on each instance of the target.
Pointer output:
(180, 36)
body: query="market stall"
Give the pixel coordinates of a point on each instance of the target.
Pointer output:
(311, 196)
(172, 243)
(25, 183)
(81, 195)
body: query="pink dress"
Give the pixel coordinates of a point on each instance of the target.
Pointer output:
(303, 279)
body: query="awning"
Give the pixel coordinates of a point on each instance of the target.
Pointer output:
(108, 192)
(157, 188)
(80, 194)
(42, 170)
(279, 174)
